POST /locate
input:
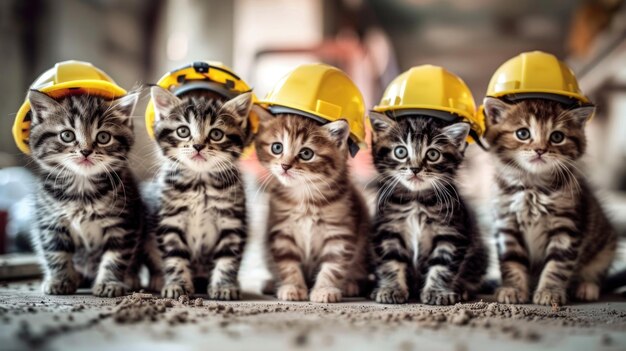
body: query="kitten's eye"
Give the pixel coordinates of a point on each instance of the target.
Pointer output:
(522, 133)
(306, 154)
(103, 138)
(68, 136)
(400, 152)
(216, 134)
(557, 137)
(183, 132)
(277, 148)
(433, 155)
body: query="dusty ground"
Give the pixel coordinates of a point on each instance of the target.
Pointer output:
(30, 320)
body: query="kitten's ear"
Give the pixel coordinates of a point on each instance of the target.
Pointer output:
(164, 101)
(339, 130)
(264, 115)
(239, 107)
(495, 109)
(126, 105)
(582, 114)
(457, 132)
(380, 121)
(42, 105)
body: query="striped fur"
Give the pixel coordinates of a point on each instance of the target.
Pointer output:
(200, 226)
(551, 231)
(318, 223)
(89, 213)
(425, 240)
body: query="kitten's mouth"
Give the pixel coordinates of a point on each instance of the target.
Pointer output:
(286, 174)
(85, 162)
(198, 157)
(537, 159)
(416, 179)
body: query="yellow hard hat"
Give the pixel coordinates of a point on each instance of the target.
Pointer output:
(431, 91)
(202, 75)
(321, 92)
(535, 74)
(65, 78)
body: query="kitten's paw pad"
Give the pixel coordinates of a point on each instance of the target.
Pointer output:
(586, 291)
(326, 295)
(55, 286)
(439, 297)
(292, 293)
(110, 289)
(224, 292)
(390, 295)
(174, 291)
(511, 295)
(351, 289)
(549, 297)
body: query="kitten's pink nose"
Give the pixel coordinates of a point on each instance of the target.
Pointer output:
(540, 151)
(285, 166)
(86, 152)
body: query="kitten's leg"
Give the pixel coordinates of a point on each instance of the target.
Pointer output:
(514, 267)
(119, 247)
(223, 284)
(175, 256)
(286, 265)
(591, 274)
(561, 256)
(441, 269)
(391, 272)
(336, 257)
(56, 248)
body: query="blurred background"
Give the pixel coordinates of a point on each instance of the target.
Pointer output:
(137, 41)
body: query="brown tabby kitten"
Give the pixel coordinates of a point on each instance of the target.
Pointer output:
(318, 223)
(551, 230)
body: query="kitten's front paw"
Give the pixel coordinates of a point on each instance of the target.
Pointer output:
(439, 297)
(174, 291)
(587, 291)
(390, 295)
(507, 294)
(326, 295)
(223, 292)
(292, 293)
(109, 289)
(55, 286)
(548, 297)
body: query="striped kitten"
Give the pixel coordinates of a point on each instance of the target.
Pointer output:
(318, 223)
(425, 238)
(552, 233)
(88, 208)
(201, 224)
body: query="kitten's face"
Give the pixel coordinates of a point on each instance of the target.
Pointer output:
(198, 133)
(537, 136)
(81, 134)
(299, 151)
(417, 153)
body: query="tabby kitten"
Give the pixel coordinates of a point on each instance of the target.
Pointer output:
(425, 238)
(88, 208)
(551, 230)
(318, 222)
(201, 224)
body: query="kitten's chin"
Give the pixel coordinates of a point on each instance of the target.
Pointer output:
(414, 184)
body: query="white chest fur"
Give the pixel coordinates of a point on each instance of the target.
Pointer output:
(414, 231)
(201, 226)
(531, 209)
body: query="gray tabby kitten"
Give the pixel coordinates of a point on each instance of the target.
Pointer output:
(552, 233)
(88, 208)
(425, 239)
(318, 222)
(201, 224)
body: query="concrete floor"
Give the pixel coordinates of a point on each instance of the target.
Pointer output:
(31, 320)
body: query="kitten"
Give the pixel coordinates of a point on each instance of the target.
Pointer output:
(551, 230)
(201, 225)
(88, 208)
(424, 238)
(317, 223)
